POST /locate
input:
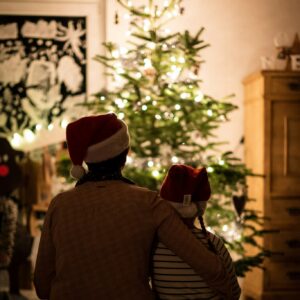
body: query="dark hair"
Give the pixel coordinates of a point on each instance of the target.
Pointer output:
(112, 164)
(211, 246)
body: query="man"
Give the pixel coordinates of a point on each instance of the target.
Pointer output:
(97, 238)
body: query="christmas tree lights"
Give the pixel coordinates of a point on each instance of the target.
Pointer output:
(156, 88)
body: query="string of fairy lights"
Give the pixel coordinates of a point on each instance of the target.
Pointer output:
(29, 136)
(177, 63)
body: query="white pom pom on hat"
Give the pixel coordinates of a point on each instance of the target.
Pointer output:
(77, 172)
(95, 139)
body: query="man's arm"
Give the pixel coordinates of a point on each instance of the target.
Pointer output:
(175, 235)
(45, 263)
(228, 263)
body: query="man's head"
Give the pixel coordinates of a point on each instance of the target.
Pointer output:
(95, 139)
(183, 185)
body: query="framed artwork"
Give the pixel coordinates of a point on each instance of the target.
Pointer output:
(42, 68)
(46, 64)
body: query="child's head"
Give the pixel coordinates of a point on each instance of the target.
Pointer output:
(184, 187)
(184, 184)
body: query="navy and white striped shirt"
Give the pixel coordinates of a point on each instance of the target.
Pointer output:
(174, 279)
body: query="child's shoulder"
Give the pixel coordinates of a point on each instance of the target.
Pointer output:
(216, 240)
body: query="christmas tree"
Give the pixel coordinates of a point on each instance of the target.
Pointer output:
(156, 88)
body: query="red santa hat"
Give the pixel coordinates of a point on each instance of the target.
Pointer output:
(183, 185)
(95, 139)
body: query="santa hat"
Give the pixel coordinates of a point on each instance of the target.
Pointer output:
(95, 139)
(183, 185)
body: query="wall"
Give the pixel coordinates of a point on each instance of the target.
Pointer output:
(239, 33)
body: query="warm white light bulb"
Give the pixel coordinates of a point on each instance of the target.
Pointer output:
(210, 169)
(120, 103)
(115, 53)
(150, 163)
(125, 94)
(120, 71)
(164, 47)
(225, 227)
(148, 98)
(184, 95)
(138, 75)
(147, 63)
(38, 127)
(167, 31)
(28, 135)
(177, 106)
(151, 45)
(102, 98)
(209, 112)
(158, 117)
(221, 162)
(199, 97)
(126, 16)
(129, 159)
(147, 25)
(123, 50)
(16, 140)
(166, 3)
(144, 107)
(64, 123)
(50, 127)
(155, 173)
(121, 115)
(174, 159)
(181, 59)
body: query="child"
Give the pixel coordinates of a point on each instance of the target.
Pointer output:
(187, 190)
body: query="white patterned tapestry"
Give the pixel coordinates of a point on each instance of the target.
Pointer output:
(42, 69)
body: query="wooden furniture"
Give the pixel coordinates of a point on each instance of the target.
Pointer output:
(272, 148)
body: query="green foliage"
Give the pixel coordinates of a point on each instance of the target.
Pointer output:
(154, 86)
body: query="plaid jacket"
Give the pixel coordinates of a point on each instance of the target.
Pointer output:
(97, 239)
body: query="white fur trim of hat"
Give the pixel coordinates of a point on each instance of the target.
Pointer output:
(190, 210)
(110, 147)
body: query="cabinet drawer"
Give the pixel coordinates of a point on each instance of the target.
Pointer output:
(284, 212)
(287, 243)
(285, 86)
(281, 276)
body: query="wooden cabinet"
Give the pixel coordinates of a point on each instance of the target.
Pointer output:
(272, 149)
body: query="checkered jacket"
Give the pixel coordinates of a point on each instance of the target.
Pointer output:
(96, 244)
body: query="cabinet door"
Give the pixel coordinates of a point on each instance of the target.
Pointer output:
(285, 148)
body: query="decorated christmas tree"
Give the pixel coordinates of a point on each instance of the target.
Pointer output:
(155, 86)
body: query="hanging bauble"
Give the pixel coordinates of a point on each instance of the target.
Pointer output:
(116, 18)
(239, 203)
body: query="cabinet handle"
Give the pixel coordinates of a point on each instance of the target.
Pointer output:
(293, 211)
(294, 86)
(293, 275)
(293, 244)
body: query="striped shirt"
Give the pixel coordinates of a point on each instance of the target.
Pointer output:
(174, 279)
